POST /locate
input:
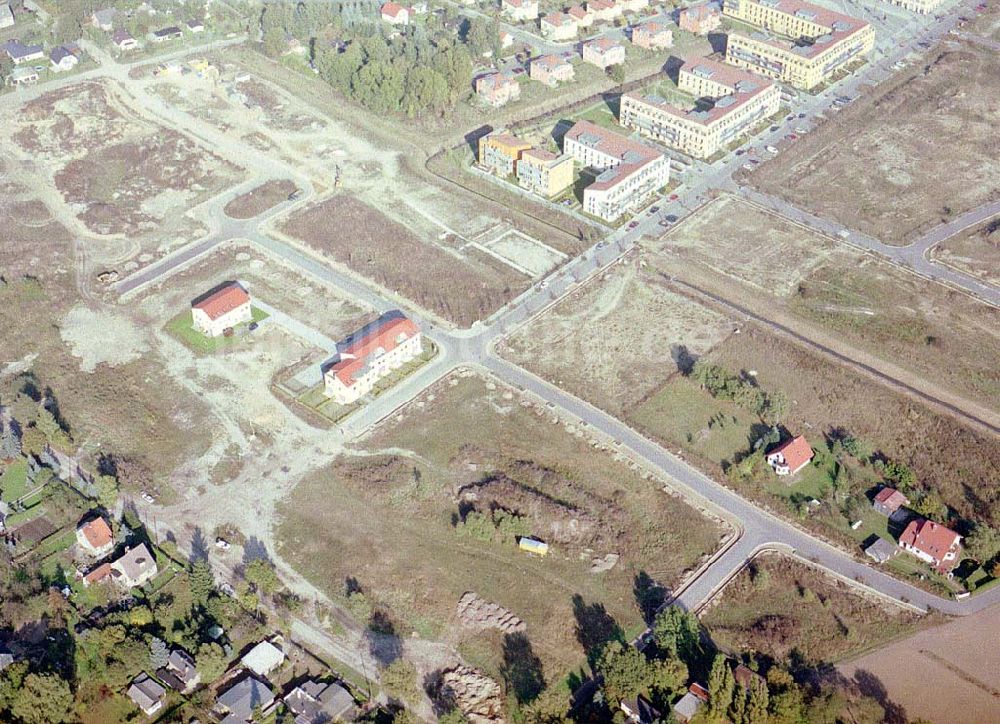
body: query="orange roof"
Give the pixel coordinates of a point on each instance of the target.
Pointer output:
(796, 452)
(392, 9)
(700, 691)
(383, 335)
(223, 301)
(98, 574)
(932, 538)
(97, 533)
(891, 496)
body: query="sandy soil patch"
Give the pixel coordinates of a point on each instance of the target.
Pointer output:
(877, 166)
(949, 669)
(614, 341)
(258, 200)
(975, 251)
(102, 337)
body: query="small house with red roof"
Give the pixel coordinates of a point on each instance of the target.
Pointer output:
(888, 500)
(395, 14)
(693, 700)
(790, 456)
(604, 53)
(95, 538)
(371, 354)
(932, 543)
(221, 309)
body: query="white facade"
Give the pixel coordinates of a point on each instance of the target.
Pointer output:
(518, 10)
(215, 327)
(374, 367)
(623, 188)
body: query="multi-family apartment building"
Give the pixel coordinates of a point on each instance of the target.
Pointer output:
(606, 10)
(731, 102)
(558, 26)
(922, 7)
(633, 6)
(551, 70)
(544, 173)
(584, 17)
(699, 19)
(499, 152)
(497, 89)
(518, 10)
(370, 355)
(603, 52)
(630, 170)
(804, 44)
(652, 35)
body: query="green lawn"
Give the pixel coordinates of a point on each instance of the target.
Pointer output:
(181, 328)
(14, 481)
(55, 543)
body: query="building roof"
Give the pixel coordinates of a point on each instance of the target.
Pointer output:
(578, 12)
(222, 301)
(121, 35)
(652, 27)
(550, 62)
(539, 154)
(182, 665)
(58, 53)
(700, 12)
(145, 692)
(835, 26)
(17, 50)
(493, 81)
(97, 533)
(891, 498)
(385, 334)
(632, 155)
(263, 658)
(242, 697)
(169, 30)
(313, 702)
(929, 537)
(105, 16)
(393, 9)
(796, 452)
(98, 574)
(519, 3)
(744, 675)
(881, 550)
(507, 140)
(195, 23)
(603, 44)
(558, 19)
(134, 563)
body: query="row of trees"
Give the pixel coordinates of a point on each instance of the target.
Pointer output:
(741, 390)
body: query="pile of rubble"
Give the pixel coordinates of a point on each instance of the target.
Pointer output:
(475, 695)
(478, 613)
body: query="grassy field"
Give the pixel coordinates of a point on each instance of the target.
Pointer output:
(975, 251)
(895, 165)
(181, 328)
(13, 482)
(389, 523)
(779, 605)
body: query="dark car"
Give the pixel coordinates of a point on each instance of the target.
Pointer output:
(633, 225)
(774, 128)
(252, 326)
(671, 218)
(654, 209)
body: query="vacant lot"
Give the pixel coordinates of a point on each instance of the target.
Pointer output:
(958, 460)
(754, 246)
(617, 339)
(835, 295)
(121, 174)
(975, 251)
(933, 153)
(389, 522)
(258, 200)
(461, 286)
(948, 669)
(779, 605)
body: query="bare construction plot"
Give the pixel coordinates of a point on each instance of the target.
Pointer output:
(390, 521)
(616, 340)
(948, 669)
(975, 251)
(931, 153)
(835, 295)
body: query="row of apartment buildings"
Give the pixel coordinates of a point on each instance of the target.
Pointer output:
(540, 171)
(566, 25)
(799, 43)
(730, 103)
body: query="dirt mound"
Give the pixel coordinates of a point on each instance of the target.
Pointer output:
(475, 695)
(383, 472)
(478, 613)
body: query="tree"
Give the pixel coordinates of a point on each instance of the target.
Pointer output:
(983, 543)
(399, 679)
(720, 685)
(551, 707)
(10, 442)
(274, 42)
(158, 653)
(202, 581)
(677, 632)
(627, 672)
(42, 699)
(757, 701)
(617, 73)
(210, 661)
(261, 575)
(107, 491)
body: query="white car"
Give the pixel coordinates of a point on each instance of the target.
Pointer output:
(147, 497)
(222, 544)
(771, 149)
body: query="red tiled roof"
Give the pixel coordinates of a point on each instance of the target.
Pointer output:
(700, 691)
(97, 533)
(890, 497)
(98, 574)
(223, 301)
(550, 62)
(796, 452)
(392, 9)
(932, 538)
(603, 44)
(700, 11)
(633, 155)
(383, 336)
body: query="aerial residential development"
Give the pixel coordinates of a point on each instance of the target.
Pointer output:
(499, 361)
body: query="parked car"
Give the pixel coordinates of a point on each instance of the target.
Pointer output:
(222, 544)
(673, 197)
(771, 149)
(252, 326)
(632, 225)
(654, 209)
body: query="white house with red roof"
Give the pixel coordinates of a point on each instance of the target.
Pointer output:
(395, 14)
(518, 10)
(220, 310)
(95, 538)
(558, 26)
(790, 456)
(370, 355)
(932, 543)
(604, 53)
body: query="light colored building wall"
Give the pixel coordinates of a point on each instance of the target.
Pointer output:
(627, 193)
(215, 327)
(378, 367)
(545, 177)
(922, 7)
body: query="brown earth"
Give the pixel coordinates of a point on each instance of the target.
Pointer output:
(975, 251)
(456, 285)
(932, 154)
(258, 200)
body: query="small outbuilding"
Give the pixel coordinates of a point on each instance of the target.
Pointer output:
(263, 658)
(147, 694)
(881, 550)
(533, 545)
(888, 500)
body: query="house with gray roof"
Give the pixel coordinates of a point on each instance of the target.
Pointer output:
(135, 567)
(237, 703)
(313, 702)
(147, 694)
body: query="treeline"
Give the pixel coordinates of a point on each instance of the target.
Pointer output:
(740, 390)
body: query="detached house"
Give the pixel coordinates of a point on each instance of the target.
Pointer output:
(551, 70)
(104, 19)
(699, 19)
(395, 14)
(19, 53)
(558, 26)
(313, 702)
(221, 309)
(498, 89)
(888, 500)
(239, 701)
(165, 34)
(933, 544)
(63, 58)
(606, 10)
(790, 456)
(518, 10)
(123, 40)
(146, 694)
(6, 16)
(134, 568)
(95, 538)
(180, 673)
(653, 35)
(370, 355)
(583, 16)
(604, 53)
